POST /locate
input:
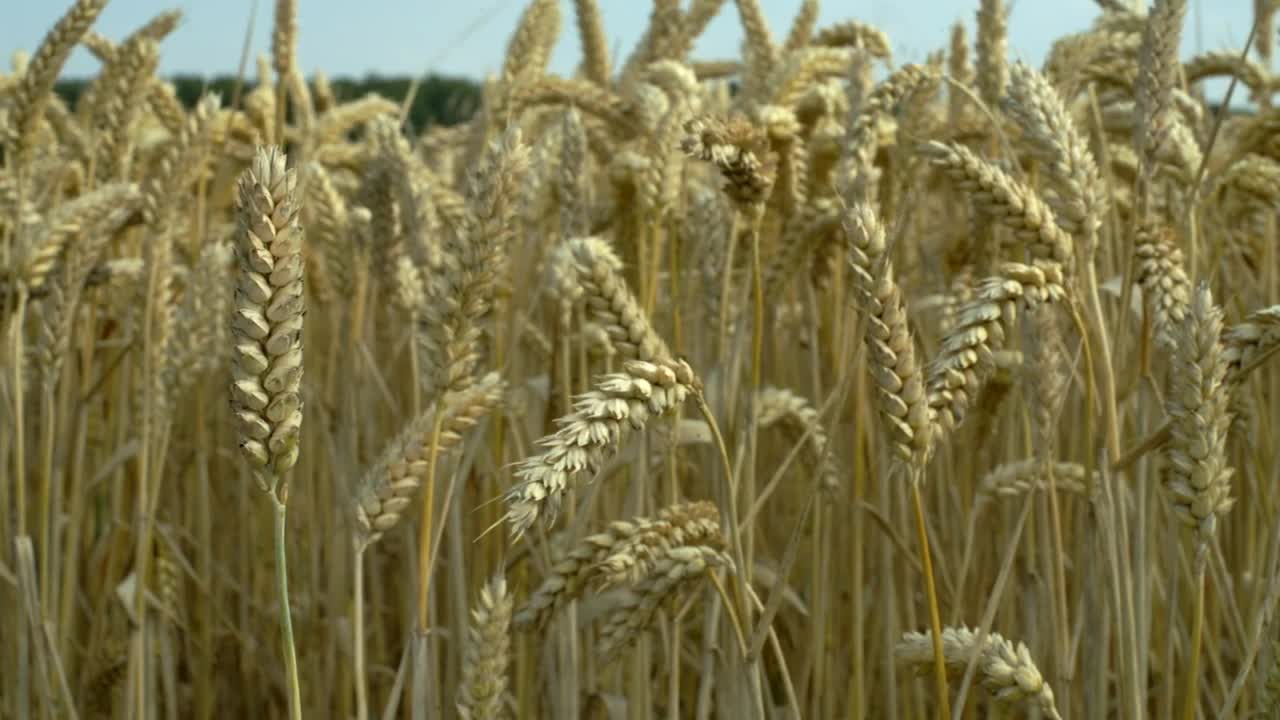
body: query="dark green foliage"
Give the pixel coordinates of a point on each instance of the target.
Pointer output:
(439, 100)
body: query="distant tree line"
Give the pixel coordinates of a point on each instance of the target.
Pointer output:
(440, 100)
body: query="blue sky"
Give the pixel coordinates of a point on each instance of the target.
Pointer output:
(468, 38)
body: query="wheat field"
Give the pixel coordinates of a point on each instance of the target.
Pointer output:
(805, 384)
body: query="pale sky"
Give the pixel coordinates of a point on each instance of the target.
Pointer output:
(469, 38)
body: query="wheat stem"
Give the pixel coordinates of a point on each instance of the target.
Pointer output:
(935, 620)
(424, 527)
(1192, 700)
(286, 615)
(357, 640)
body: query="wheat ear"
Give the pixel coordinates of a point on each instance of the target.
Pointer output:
(488, 653)
(908, 417)
(266, 359)
(588, 435)
(1008, 672)
(966, 356)
(42, 71)
(387, 488)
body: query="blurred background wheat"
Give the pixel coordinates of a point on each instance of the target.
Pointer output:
(779, 367)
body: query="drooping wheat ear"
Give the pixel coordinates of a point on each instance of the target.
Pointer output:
(1255, 176)
(1249, 340)
(284, 38)
(1008, 672)
(898, 376)
(676, 80)
(595, 47)
(624, 552)
(1163, 277)
(593, 431)
(1076, 190)
(679, 568)
(337, 122)
(530, 46)
(461, 293)
(1157, 78)
(1024, 476)
(966, 356)
(1074, 59)
(488, 653)
(1222, 63)
(1198, 479)
(636, 555)
(159, 27)
(859, 174)
(856, 35)
(802, 26)
(38, 251)
(736, 148)
(588, 269)
(960, 70)
(1011, 202)
(801, 69)
(615, 114)
(266, 326)
(779, 406)
(572, 186)
(92, 219)
(387, 488)
(993, 51)
(28, 101)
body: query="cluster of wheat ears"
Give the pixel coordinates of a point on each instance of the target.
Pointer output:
(801, 385)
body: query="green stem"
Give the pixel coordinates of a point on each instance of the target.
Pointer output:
(286, 616)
